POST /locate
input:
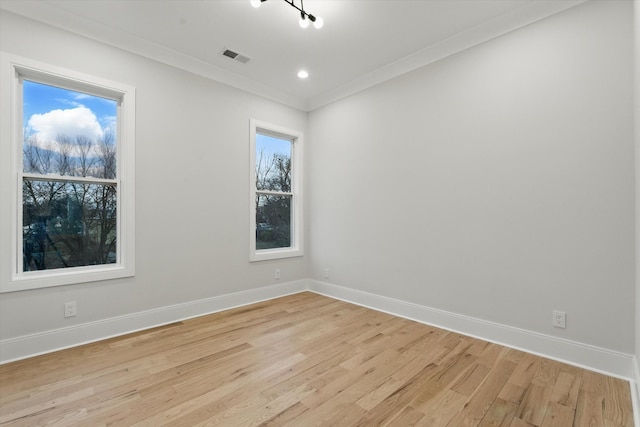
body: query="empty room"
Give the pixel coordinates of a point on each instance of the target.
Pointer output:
(319, 213)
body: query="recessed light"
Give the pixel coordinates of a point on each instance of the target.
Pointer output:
(303, 74)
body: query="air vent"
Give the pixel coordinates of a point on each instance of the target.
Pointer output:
(235, 56)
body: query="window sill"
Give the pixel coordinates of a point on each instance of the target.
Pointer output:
(271, 254)
(51, 278)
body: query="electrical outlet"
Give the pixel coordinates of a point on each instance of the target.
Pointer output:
(325, 273)
(559, 319)
(276, 274)
(70, 309)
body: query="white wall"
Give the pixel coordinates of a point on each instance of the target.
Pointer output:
(192, 177)
(636, 5)
(497, 183)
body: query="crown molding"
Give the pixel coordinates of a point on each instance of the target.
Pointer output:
(518, 18)
(510, 21)
(59, 18)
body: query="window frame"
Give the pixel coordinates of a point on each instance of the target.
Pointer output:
(13, 71)
(297, 222)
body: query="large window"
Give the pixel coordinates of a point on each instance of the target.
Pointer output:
(71, 175)
(275, 196)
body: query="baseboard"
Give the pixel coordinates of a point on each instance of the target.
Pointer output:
(635, 392)
(594, 358)
(45, 342)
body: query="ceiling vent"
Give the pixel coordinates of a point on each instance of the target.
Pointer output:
(235, 56)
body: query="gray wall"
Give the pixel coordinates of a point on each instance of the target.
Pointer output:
(497, 183)
(636, 5)
(192, 181)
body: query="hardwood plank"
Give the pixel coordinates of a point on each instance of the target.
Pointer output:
(446, 375)
(526, 369)
(397, 380)
(517, 422)
(407, 417)
(472, 378)
(534, 404)
(305, 360)
(483, 397)
(547, 373)
(565, 390)
(558, 415)
(594, 382)
(617, 399)
(343, 382)
(512, 393)
(347, 416)
(378, 394)
(500, 414)
(285, 416)
(398, 400)
(223, 398)
(589, 410)
(441, 409)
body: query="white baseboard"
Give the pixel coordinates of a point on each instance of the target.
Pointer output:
(635, 392)
(45, 342)
(594, 358)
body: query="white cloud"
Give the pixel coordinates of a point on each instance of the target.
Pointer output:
(83, 96)
(110, 124)
(79, 121)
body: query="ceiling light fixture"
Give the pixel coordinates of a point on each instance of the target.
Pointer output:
(305, 17)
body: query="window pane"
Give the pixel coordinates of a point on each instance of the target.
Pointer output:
(68, 224)
(273, 221)
(273, 163)
(67, 132)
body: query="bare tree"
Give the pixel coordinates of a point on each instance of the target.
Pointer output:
(85, 160)
(65, 159)
(68, 224)
(107, 150)
(264, 166)
(35, 158)
(273, 211)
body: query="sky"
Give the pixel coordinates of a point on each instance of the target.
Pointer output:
(266, 147)
(51, 111)
(272, 145)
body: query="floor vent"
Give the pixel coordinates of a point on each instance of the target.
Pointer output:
(235, 56)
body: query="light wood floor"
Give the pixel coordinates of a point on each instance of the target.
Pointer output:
(305, 360)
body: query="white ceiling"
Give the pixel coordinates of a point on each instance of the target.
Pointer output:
(362, 43)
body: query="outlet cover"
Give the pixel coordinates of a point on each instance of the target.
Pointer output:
(70, 309)
(559, 319)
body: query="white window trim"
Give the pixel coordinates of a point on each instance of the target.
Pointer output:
(297, 236)
(12, 69)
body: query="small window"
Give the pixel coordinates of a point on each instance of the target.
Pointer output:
(73, 146)
(276, 199)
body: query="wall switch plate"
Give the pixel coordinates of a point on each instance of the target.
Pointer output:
(70, 309)
(559, 319)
